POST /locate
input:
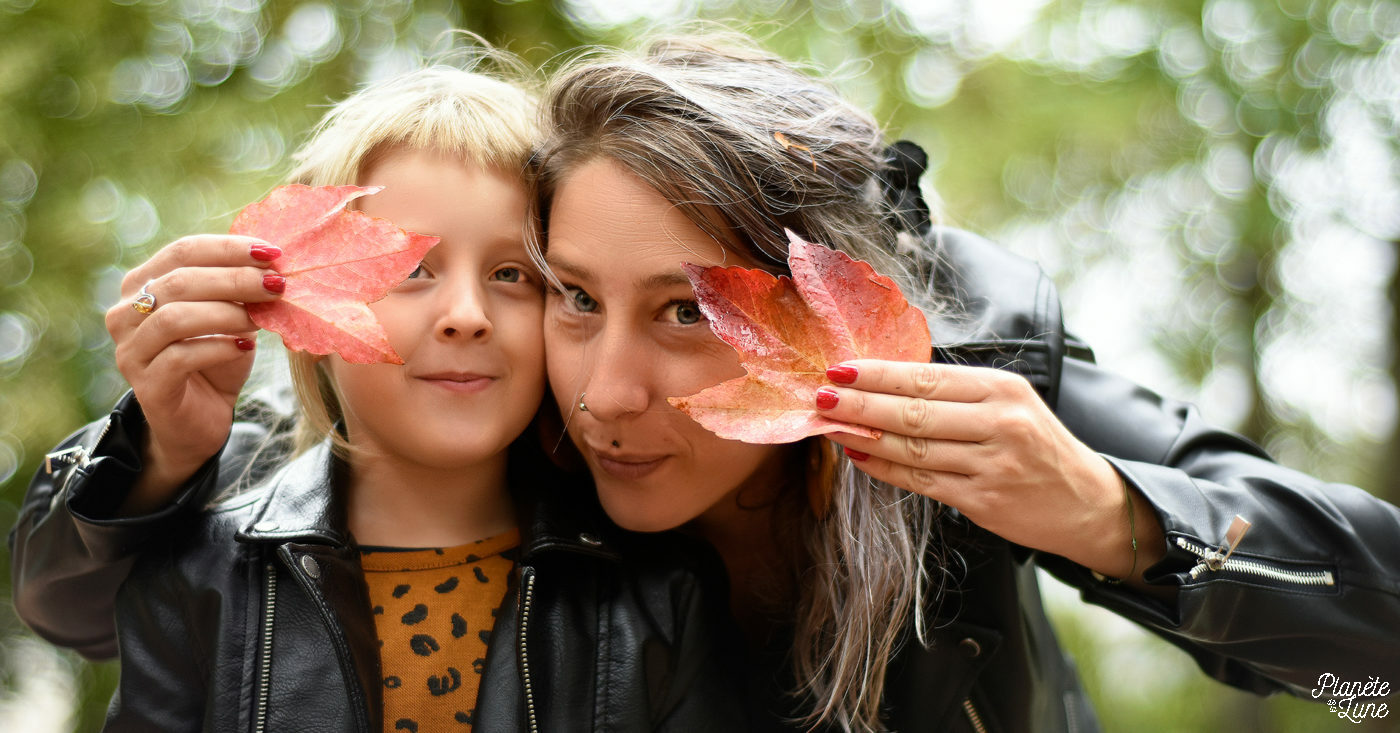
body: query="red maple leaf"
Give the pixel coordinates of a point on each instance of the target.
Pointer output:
(788, 330)
(336, 261)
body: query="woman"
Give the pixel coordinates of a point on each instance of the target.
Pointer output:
(899, 613)
(896, 613)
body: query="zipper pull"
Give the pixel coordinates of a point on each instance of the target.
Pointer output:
(1217, 557)
(76, 455)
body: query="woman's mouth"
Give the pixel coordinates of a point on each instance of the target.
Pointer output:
(627, 467)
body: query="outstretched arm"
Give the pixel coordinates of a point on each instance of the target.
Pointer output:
(1313, 587)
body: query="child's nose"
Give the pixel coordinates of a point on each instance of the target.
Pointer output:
(462, 314)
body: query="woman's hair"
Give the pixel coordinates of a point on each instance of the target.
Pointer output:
(747, 146)
(486, 120)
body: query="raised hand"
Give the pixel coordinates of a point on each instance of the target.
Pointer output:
(983, 441)
(185, 345)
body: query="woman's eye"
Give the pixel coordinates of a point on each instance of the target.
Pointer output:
(418, 271)
(685, 312)
(580, 301)
(508, 274)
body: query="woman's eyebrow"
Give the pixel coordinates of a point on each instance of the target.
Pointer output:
(568, 268)
(670, 278)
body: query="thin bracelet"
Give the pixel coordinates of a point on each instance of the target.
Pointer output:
(1132, 534)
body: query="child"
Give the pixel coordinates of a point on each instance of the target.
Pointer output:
(359, 586)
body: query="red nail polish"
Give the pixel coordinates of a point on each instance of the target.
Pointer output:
(827, 398)
(841, 373)
(264, 252)
(274, 283)
(855, 455)
(245, 344)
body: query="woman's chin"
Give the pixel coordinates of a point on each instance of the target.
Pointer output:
(636, 516)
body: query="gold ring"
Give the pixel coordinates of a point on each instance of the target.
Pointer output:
(582, 407)
(145, 302)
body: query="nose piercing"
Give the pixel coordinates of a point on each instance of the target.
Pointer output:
(582, 407)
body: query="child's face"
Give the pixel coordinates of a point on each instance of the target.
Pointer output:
(467, 323)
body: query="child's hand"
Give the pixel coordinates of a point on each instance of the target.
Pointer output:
(185, 345)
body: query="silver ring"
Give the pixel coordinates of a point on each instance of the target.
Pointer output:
(145, 302)
(582, 407)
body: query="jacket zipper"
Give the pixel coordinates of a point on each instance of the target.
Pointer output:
(265, 664)
(973, 717)
(1220, 559)
(77, 455)
(527, 598)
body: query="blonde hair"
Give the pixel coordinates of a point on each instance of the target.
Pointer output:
(487, 120)
(746, 145)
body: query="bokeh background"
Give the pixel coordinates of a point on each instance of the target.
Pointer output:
(1214, 185)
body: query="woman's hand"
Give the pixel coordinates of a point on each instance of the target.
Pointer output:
(187, 359)
(983, 441)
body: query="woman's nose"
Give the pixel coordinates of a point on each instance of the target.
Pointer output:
(617, 381)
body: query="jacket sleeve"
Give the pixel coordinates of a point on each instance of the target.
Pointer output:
(69, 550)
(163, 683)
(1312, 588)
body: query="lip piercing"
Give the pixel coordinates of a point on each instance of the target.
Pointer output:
(582, 407)
(145, 302)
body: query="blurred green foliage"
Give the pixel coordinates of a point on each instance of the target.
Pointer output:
(1202, 178)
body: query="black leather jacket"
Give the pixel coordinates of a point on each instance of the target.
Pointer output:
(252, 615)
(1313, 588)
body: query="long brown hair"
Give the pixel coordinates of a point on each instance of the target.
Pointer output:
(746, 146)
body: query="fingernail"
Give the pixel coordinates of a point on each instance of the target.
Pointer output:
(827, 398)
(245, 344)
(841, 373)
(265, 252)
(274, 283)
(854, 454)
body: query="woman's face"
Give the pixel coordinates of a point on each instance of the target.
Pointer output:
(624, 335)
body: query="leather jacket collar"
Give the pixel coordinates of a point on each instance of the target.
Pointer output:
(1008, 312)
(301, 504)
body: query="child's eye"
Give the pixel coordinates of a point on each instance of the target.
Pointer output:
(580, 301)
(509, 274)
(418, 271)
(684, 312)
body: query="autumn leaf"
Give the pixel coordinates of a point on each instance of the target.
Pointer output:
(788, 330)
(336, 262)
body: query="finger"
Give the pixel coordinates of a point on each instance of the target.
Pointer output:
(912, 416)
(194, 284)
(937, 485)
(238, 284)
(950, 382)
(197, 355)
(951, 456)
(177, 322)
(201, 250)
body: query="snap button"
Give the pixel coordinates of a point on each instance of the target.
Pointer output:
(266, 525)
(589, 539)
(970, 647)
(309, 564)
